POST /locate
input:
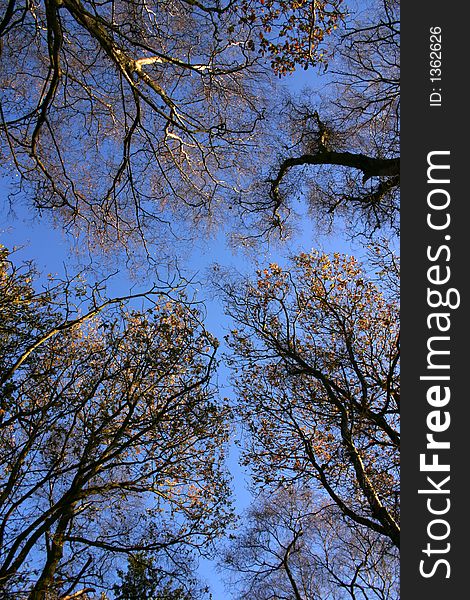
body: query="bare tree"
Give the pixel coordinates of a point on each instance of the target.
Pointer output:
(293, 547)
(123, 114)
(118, 112)
(339, 148)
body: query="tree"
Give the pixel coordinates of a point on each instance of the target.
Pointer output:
(316, 369)
(293, 547)
(111, 440)
(125, 114)
(146, 581)
(339, 149)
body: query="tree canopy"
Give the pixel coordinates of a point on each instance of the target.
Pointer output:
(139, 126)
(111, 439)
(121, 115)
(145, 580)
(316, 369)
(294, 547)
(340, 147)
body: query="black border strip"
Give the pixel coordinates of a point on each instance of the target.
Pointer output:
(435, 123)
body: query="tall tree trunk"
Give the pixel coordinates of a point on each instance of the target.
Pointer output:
(54, 555)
